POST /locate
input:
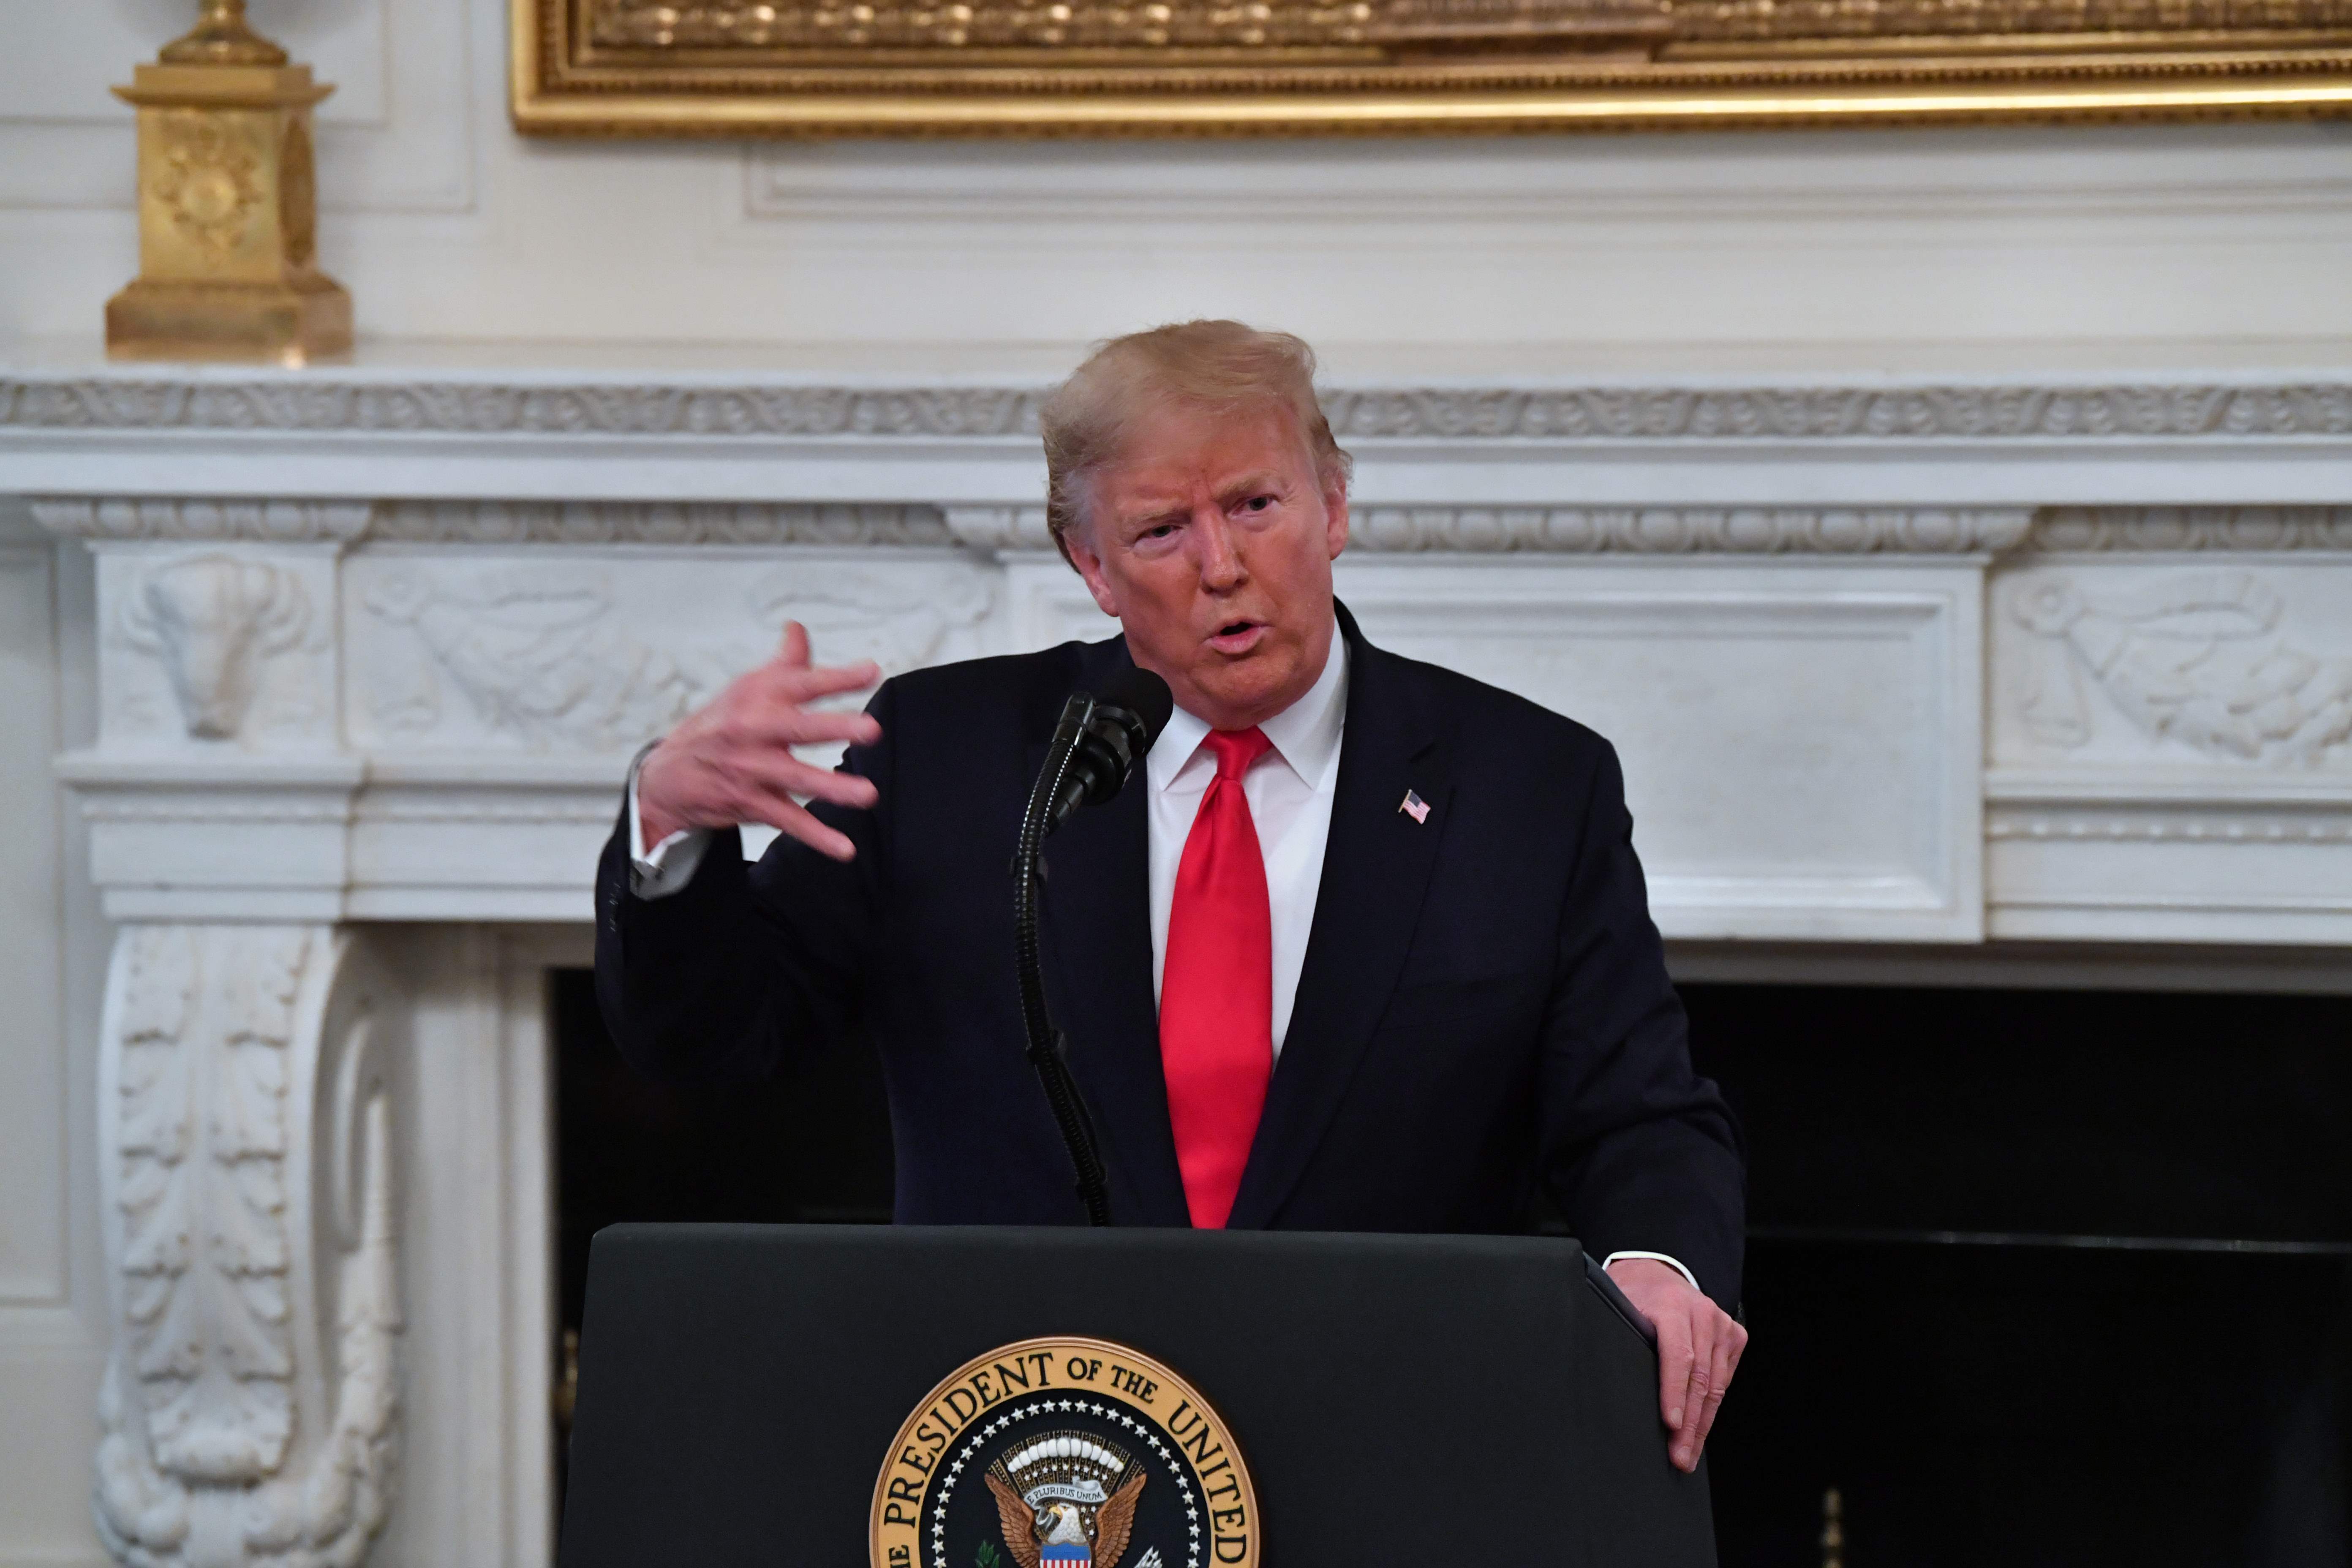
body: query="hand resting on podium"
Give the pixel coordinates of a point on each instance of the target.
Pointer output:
(1700, 1346)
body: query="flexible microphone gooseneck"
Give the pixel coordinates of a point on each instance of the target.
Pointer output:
(1096, 746)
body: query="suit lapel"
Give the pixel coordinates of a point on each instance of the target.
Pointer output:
(1376, 867)
(1098, 931)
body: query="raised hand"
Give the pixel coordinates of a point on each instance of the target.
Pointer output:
(731, 762)
(1699, 1346)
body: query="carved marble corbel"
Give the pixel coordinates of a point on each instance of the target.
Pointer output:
(250, 1408)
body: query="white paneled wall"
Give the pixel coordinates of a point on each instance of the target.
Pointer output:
(445, 224)
(52, 962)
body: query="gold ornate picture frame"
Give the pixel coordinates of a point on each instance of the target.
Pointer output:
(1292, 67)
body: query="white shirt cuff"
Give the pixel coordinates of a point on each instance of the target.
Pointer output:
(668, 866)
(1673, 1264)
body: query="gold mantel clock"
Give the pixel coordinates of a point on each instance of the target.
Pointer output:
(228, 206)
(1101, 68)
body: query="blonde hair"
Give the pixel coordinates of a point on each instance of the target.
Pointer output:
(1215, 366)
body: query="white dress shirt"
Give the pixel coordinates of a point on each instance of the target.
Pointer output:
(1290, 790)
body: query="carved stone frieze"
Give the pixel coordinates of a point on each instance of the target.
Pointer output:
(1667, 530)
(250, 1407)
(1000, 527)
(658, 522)
(899, 620)
(1842, 414)
(319, 401)
(203, 518)
(593, 656)
(494, 522)
(1685, 530)
(536, 654)
(2199, 528)
(322, 403)
(2220, 824)
(2200, 657)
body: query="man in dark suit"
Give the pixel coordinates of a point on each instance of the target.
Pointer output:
(1363, 946)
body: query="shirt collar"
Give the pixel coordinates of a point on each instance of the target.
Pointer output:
(1306, 735)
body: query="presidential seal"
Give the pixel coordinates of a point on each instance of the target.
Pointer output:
(1064, 1453)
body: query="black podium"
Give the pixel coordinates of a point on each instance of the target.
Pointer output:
(790, 1395)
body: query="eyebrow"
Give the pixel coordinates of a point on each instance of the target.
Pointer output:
(1152, 513)
(1256, 483)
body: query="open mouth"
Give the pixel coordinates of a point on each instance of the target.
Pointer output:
(1237, 637)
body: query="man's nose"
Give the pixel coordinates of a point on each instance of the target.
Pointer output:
(1221, 564)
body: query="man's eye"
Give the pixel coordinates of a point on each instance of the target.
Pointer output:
(1258, 503)
(1162, 532)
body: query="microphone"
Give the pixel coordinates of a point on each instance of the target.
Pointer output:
(1096, 746)
(1106, 736)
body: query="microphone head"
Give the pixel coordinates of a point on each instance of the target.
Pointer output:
(1146, 696)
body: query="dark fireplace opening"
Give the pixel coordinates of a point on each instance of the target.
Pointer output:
(812, 1148)
(2034, 1277)
(2039, 1276)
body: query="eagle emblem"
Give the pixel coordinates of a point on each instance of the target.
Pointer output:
(1065, 1499)
(1066, 1452)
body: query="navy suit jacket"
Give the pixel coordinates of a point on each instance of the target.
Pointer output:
(1483, 1006)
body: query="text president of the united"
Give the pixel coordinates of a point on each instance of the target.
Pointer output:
(1363, 946)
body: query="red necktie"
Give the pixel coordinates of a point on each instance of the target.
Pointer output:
(1216, 987)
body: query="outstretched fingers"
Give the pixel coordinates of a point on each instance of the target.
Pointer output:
(779, 776)
(732, 760)
(802, 684)
(796, 821)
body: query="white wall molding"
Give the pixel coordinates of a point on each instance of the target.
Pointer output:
(996, 528)
(324, 399)
(2213, 529)
(203, 518)
(659, 524)
(1430, 190)
(477, 429)
(1689, 530)
(1581, 530)
(2054, 530)
(2230, 878)
(32, 1049)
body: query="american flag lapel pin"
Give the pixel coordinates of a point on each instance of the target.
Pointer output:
(1415, 806)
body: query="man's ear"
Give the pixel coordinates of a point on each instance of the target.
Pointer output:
(1335, 515)
(1079, 546)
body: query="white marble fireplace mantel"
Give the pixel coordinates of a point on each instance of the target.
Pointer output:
(1922, 656)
